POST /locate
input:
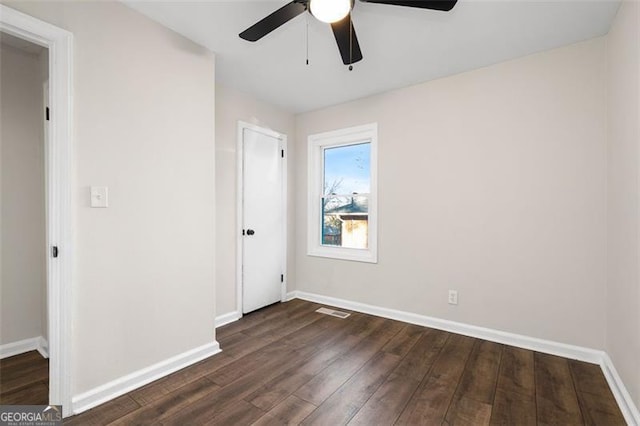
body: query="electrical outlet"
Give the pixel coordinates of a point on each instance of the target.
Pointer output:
(453, 297)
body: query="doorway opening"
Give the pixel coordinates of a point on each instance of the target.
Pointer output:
(261, 217)
(57, 249)
(24, 75)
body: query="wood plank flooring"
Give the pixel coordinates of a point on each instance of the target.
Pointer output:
(24, 379)
(287, 364)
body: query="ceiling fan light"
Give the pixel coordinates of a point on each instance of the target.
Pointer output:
(330, 11)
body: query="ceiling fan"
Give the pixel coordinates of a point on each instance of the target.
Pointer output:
(338, 14)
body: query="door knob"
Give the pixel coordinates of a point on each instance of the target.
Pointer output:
(250, 232)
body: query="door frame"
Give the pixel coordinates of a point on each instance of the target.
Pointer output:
(58, 187)
(240, 208)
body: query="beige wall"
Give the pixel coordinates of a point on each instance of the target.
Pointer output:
(22, 197)
(504, 171)
(233, 106)
(144, 286)
(623, 298)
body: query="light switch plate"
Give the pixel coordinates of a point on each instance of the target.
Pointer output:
(99, 196)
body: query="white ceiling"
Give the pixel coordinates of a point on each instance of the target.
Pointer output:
(401, 46)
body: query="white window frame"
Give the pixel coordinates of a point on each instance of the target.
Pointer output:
(317, 143)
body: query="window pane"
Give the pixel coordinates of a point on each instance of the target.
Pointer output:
(347, 169)
(345, 221)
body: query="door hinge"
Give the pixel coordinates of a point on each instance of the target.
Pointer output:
(46, 113)
(281, 278)
(54, 251)
(282, 153)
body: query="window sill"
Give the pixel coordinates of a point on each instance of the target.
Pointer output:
(353, 255)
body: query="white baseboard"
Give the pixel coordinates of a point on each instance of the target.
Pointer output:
(625, 402)
(43, 347)
(627, 406)
(291, 295)
(139, 378)
(227, 318)
(521, 341)
(27, 345)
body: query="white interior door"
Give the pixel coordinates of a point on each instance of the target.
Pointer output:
(262, 219)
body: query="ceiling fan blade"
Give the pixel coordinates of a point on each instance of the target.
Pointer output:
(273, 21)
(444, 5)
(347, 41)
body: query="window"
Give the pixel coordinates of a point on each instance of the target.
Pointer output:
(342, 194)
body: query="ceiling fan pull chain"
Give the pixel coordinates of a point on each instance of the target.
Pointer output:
(307, 21)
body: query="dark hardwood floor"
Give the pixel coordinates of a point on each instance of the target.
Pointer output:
(287, 364)
(24, 379)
